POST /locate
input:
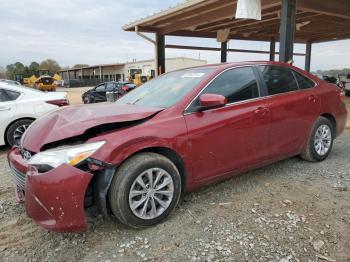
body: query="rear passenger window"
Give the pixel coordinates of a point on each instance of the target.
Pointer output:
(8, 95)
(236, 85)
(278, 79)
(303, 81)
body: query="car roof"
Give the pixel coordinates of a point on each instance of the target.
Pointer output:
(237, 64)
(18, 88)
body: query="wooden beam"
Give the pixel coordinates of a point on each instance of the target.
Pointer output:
(227, 11)
(192, 12)
(202, 18)
(337, 8)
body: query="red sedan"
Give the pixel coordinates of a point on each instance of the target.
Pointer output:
(180, 131)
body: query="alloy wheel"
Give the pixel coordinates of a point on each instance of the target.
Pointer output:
(18, 133)
(322, 140)
(151, 193)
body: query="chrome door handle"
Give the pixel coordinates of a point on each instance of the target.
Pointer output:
(5, 108)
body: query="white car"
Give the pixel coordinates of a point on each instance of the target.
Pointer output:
(20, 106)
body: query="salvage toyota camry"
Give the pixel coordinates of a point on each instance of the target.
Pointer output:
(133, 158)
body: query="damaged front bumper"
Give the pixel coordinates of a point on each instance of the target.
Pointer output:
(55, 199)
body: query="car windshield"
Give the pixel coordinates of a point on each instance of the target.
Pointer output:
(166, 90)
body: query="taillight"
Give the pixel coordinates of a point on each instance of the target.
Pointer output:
(58, 102)
(125, 88)
(342, 95)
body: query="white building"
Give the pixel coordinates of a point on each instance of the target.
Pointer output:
(114, 72)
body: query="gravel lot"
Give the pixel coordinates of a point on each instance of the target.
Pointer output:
(289, 211)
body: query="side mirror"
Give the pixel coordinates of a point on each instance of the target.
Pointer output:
(208, 101)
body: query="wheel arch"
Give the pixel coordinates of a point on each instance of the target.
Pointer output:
(103, 180)
(173, 157)
(331, 118)
(14, 121)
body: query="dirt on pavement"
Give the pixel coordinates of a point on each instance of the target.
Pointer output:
(289, 211)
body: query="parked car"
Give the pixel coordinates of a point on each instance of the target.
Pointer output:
(98, 93)
(10, 82)
(182, 130)
(20, 106)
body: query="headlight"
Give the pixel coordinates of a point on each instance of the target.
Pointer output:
(71, 155)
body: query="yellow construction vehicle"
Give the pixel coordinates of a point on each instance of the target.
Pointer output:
(45, 83)
(29, 81)
(137, 78)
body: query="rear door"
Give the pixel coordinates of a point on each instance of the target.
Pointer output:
(294, 109)
(100, 93)
(232, 137)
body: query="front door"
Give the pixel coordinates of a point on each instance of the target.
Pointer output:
(100, 93)
(232, 137)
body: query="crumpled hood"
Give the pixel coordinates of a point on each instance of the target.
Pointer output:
(73, 121)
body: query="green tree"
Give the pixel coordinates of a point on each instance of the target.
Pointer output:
(14, 69)
(33, 68)
(50, 65)
(2, 72)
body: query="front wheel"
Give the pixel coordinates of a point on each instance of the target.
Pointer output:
(144, 190)
(320, 141)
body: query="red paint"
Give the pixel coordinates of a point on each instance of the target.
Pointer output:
(55, 200)
(75, 120)
(213, 144)
(212, 100)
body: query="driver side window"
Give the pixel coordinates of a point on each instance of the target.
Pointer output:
(236, 85)
(100, 88)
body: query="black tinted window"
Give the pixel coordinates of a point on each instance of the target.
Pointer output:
(7, 95)
(278, 79)
(303, 81)
(3, 96)
(236, 85)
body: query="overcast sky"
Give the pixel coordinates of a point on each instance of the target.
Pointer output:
(89, 31)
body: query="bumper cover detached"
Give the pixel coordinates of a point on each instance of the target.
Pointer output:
(55, 199)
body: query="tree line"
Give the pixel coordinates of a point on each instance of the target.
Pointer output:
(334, 72)
(48, 66)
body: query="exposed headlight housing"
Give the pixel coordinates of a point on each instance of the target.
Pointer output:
(71, 155)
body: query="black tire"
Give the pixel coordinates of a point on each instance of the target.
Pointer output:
(87, 100)
(310, 153)
(123, 180)
(10, 133)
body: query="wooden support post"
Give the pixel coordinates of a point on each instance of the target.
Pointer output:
(160, 54)
(288, 13)
(224, 52)
(308, 56)
(272, 49)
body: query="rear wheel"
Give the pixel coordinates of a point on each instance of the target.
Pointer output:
(16, 130)
(320, 141)
(144, 190)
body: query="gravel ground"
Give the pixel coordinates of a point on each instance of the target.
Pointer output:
(289, 211)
